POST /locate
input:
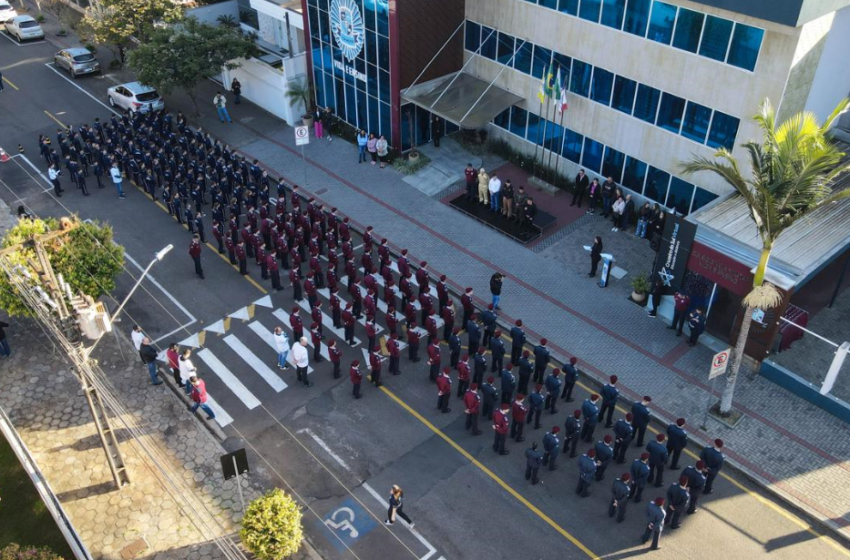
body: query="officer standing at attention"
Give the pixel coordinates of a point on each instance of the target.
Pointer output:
(472, 407)
(500, 429)
(541, 360)
(195, 253)
(535, 406)
(518, 412)
(517, 340)
(497, 351)
(480, 366)
(654, 522)
(356, 378)
(609, 400)
(620, 497)
(525, 369)
(553, 387)
(641, 415)
(490, 394)
(551, 448)
(508, 384)
(572, 429)
(335, 355)
(413, 338)
(473, 332)
(590, 410)
(640, 475)
(395, 354)
(533, 460)
(677, 440)
(462, 376)
(434, 359)
(604, 454)
(488, 318)
(657, 459)
(696, 482)
(375, 365)
(677, 502)
(570, 379)
(454, 347)
(586, 472)
(713, 459)
(444, 390)
(622, 437)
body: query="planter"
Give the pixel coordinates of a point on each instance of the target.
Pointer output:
(413, 156)
(307, 120)
(638, 297)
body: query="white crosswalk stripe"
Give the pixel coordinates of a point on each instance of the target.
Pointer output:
(268, 337)
(232, 382)
(255, 362)
(221, 416)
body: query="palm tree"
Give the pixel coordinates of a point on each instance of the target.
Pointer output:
(793, 172)
(300, 90)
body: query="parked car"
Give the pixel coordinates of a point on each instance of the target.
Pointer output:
(135, 97)
(7, 12)
(23, 28)
(76, 61)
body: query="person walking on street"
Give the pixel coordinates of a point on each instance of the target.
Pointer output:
(236, 88)
(148, 354)
(302, 360)
(396, 507)
(220, 103)
(199, 396)
(654, 522)
(496, 289)
(117, 179)
(195, 253)
(187, 370)
(281, 342)
(137, 336)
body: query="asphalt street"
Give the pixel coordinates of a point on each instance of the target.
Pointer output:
(340, 456)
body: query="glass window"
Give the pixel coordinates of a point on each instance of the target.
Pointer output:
(612, 13)
(624, 94)
(592, 158)
(580, 79)
(670, 112)
(637, 17)
(522, 60)
(549, 4)
(542, 60)
(503, 119)
(320, 87)
(369, 17)
(473, 36)
(701, 198)
(384, 85)
(519, 118)
(696, 122)
(488, 42)
(554, 137)
(589, 10)
(372, 48)
(532, 133)
(572, 145)
(568, 6)
(505, 51)
(680, 196)
(634, 174)
(715, 38)
(661, 22)
(386, 122)
(603, 81)
(314, 23)
(723, 131)
(383, 53)
(612, 165)
(688, 30)
(744, 50)
(646, 103)
(330, 100)
(657, 182)
(562, 62)
(372, 76)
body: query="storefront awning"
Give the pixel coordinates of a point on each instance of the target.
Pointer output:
(461, 98)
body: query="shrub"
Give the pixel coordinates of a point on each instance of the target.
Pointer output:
(15, 552)
(271, 528)
(406, 167)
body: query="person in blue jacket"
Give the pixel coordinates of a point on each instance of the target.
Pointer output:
(677, 440)
(590, 410)
(610, 393)
(654, 522)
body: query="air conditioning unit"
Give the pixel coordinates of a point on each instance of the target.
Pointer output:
(94, 320)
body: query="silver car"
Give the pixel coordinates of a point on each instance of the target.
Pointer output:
(24, 27)
(76, 61)
(7, 12)
(136, 97)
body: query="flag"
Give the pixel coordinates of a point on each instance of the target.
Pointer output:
(562, 102)
(556, 87)
(541, 95)
(549, 78)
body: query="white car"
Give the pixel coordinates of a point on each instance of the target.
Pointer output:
(136, 97)
(23, 28)
(7, 12)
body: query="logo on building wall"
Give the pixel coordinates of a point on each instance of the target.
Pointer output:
(347, 26)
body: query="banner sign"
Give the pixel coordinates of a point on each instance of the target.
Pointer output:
(672, 259)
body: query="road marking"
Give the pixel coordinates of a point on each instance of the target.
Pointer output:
(431, 550)
(57, 121)
(221, 416)
(67, 79)
(225, 258)
(268, 337)
(35, 169)
(232, 382)
(326, 447)
(252, 360)
(18, 43)
(519, 497)
(217, 327)
(8, 81)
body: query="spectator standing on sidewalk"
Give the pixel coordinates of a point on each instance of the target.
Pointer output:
(281, 342)
(362, 143)
(471, 181)
(483, 183)
(5, 351)
(137, 336)
(496, 289)
(381, 147)
(236, 88)
(681, 304)
(220, 103)
(372, 147)
(148, 354)
(173, 357)
(507, 195)
(302, 360)
(199, 395)
(187, 369)
(117, 178)
(494, 187)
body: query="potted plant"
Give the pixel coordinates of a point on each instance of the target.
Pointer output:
(640, 287)
(300, 91)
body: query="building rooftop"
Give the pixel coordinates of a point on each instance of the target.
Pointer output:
(793, 13)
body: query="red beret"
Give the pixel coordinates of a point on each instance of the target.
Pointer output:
(368, 228)
(310, 274)
(431, 312)
(591, 453)
(447, 370)
(700, 465)
(556, 372)
(613, 379)
(314, 326)
(683, 480)
(331, 343)
(465, 357)
(295, 309)
(481, 350)
(573, 360)
(491, 379)
(648, 399)
(577, 413)
(497, 334)
(474, 386)
(443, 277)
(659, 437)
(543, 341)
(629, 417)
(394, 336)
(526, 353)
(468, 290)
(594, 397)
(505, 406)
(659, 501)
(490, 307)
(680, 422)
(348, 306)
(556, 429)
(538, 386)
(384, 240)
(626, 477)
(377, 348)
(404, 251)
(520, 396)
(355, 363)
(509, 366)
(607, 439)
(423, 264)
(518, 322)
(644, 456)
(718, 442)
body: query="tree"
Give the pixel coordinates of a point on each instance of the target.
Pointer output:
(86, 258)
(300, 91)
(271, 527)
(793, 171)
(15, 552)
(116, 22)
(181, 56)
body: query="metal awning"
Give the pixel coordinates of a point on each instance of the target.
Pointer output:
(461, 98)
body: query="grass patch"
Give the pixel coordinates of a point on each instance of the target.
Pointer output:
(24, 518)
(406, 167)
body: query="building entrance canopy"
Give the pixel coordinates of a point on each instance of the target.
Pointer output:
(461, 98)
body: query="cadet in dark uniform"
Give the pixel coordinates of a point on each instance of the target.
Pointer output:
(472, 407)
(590, 410)
(640, 475)
(394, 349)
(356, 378)
(490, 395)
(677, 502)
(657, 460)
(454, 347)
(623, 432)
(444, 390)
(434, 359)
(517, 340)
(479, 363)
(696, 483)
(713, 459)
(316, 339)
(525, 370)
(473, 332)
(533, 460)
(500, 429)
(497, 351)
(551, 448)
(609, 400)
(375, 365)
(654, 522)
(195, 253)
(620, 497)
(519, 410)
(535, 406)
(553, 387)
(335, 355)
(586, 472)
(641, 415)
(572, 431)
(604, 455)
(541, 360)
(488, 318)
(348, 322)
(508, 384)
(241, 256)
(274, 271)
(570, 378)
(677, 440)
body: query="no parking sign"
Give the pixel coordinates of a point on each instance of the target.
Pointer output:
(302, 135)
(719, 363)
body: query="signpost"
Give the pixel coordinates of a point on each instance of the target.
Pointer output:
(718, 367)
(234, 464)
(302, 138)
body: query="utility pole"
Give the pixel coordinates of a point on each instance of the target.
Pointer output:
(51, 307)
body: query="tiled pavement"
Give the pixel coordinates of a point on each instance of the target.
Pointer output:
(793, 448)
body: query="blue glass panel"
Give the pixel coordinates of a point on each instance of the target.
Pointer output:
(603, 82)
(369, 12)
(319, 87)
(383, 53)
(670, 112)
(744, 50)
(383, 18)
(535, 129)
(723, 131)
(661, 22)
(568, 7)
(637, 17)
(362, 110)
(522, 60)
(547, 132)
(624, 94)
(330, 91)
(384, 85)
(572, 145)
(592, 158)
(542, 60)
(580, 78)
(371, 48)
(646, 103)
(503, 119)
(701, 198)
(562, 62)
(695, 126)
(324, 27)
(519, 119)
(323, 4)
(314, 23)
(657, 182)
(339, 90)
(612, 165)
(680, 196)
(612, 13)
(386, 122)
(688, 30)
(589, 10)
(473, 36)
(554, 138)
(505, 51)
(634, 174)
(374, 121)
(715, 38)
(488, 42)
(553, 4)
(372, 75)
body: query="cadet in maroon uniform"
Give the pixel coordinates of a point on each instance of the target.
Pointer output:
(218, 233)
(448, 319)
(409, 315)
(434, 360)
(422, 278)
(444, 390)
(395, 354)
(231, 250)
(261, 260)
(442, 292)
(336, 308)
(468, 306)
(462, 375)
(403, 264)
(316, 337)
(242, 257)
(271, 264)
(500, 429)
(310, 290)
(412, 342)
(431, 327)
(389, 290)
(296, 324)
(392, 320)
(335, 356)
(518, 411)
(331, 277)
(195, 253)
(348, 321)
(375, 365)
(384, 252)
(426, 302)
(369, 305)
(295, 282)
(472, 406)
(316, 316)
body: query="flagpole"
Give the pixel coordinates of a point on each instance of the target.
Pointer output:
(564, 139)
(545, 127)
(534, 160)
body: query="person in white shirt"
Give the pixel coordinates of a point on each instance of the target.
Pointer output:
(220, 103)
(137, 336)
(495, 188)
(187, 370)
(115, 173)
(302, 359)
(618, 209)
(53, 174)
(281, 341)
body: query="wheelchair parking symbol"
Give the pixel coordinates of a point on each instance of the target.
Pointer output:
(349, 522)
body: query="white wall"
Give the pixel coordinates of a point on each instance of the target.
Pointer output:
(209, 14)
(267, 86)
(832, 79)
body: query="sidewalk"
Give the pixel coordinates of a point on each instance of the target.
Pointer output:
(789, 446)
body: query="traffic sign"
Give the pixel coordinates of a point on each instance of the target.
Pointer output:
(302, 135)
(719, 363)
